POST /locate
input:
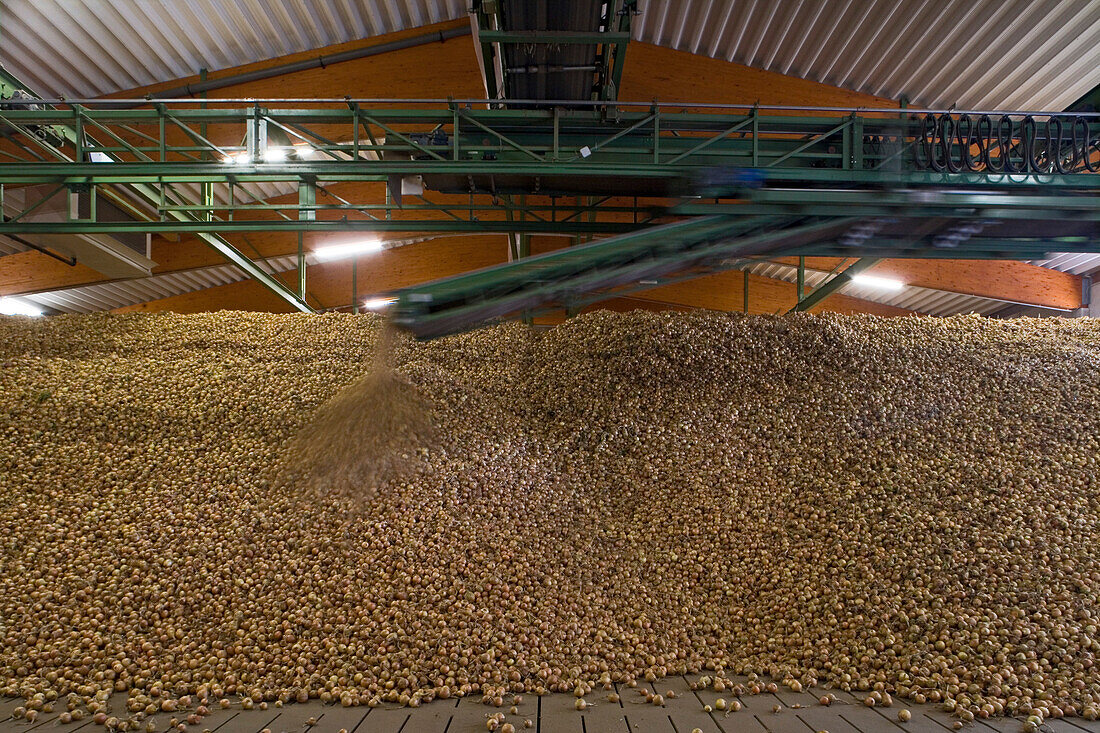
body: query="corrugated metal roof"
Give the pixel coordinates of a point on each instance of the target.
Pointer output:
(10, 246)
(119, 293)
(1008, 54)
(106, 296)
(1074, 263)
(921, 300)
(94, 47)
(1021, 54)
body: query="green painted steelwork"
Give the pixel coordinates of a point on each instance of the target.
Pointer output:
(552, 37)
(440, 226)
(26, 172)
(621, 149)
(774, 202)
(613, 65)
(301, 268)
(830, 286)
(608, 168)
(1079, 210)
(614, 139)
(564, 278)
(83, 144)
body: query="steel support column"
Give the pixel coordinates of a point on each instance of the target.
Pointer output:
(830, 286)
(801, 276)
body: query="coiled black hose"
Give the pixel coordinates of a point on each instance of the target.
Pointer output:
(1060, 144)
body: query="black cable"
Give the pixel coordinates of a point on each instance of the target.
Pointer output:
(947, 129)
(1002, 138)
(1021, 147)
(1061, 144)
(924, 154)
(1080, 144)
(983, 132)
(1092, 146)
(967, 137)
(1029, 131)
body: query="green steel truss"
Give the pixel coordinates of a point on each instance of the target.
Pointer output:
(658, 151)
(571, 278)
(52, 140)
(687, 188)
(597, 170)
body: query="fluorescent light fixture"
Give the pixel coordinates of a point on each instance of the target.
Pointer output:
(18, 307)
(877, 282)
(303, 150)
(275, 155)
(97, 157)
(350, 249)
(377, 304)
(237, 159)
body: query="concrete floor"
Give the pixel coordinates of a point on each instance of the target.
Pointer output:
(800, 713)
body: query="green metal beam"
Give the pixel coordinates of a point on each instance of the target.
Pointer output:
(1038, 253)
(513, 151)
(451, 226)
(1048, 209)
(26, 173)
(975, 248)
(607, 141)
(786, 133)
(154, 196)
(909, 200)
(830, 286)
(567, 277)
(554, 38)
(614, 75)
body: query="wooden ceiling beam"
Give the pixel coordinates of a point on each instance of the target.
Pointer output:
(435, 70)
(30, 272)
(726, 292)
(656, 72)
(330, 284)
(1008, 280)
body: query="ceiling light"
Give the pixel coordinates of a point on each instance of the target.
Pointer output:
(377, 304)
(237, 159)
(350, 249)
(275, 155)
(877, 282)
(97, 157)
(18, 307)
(303, 150)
